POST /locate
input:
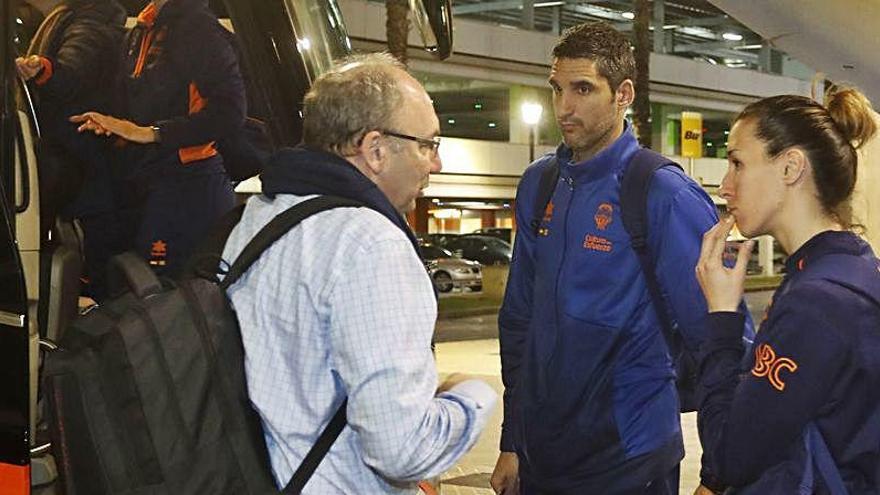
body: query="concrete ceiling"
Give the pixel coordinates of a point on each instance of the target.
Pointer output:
(840, 38)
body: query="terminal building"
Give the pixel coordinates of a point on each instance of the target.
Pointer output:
(703, 62)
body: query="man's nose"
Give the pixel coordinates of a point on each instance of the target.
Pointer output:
(563, 105)
(436, 163)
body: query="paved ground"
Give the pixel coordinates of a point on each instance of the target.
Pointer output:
(486, 326)
(470, 345)
(471, 475)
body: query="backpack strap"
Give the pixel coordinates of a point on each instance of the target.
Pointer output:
(634, 188)
(266, 237)
(276, 229)
(546, 186)
(317, 452)
(129, 272)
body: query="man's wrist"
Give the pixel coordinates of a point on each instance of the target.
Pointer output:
(156, 133)
(713, 485)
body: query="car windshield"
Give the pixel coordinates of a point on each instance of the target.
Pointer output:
(496, 242)
(434, 252)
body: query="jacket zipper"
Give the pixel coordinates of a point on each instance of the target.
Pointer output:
(559, 271)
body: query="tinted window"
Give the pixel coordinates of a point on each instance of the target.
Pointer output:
(434, 252)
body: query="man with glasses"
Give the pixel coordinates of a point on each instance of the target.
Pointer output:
(341, 307)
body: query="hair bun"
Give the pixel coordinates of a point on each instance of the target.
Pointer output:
(852, 113)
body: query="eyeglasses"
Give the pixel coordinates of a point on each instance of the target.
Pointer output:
(433, 144)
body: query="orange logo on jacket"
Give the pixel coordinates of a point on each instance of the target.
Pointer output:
(604, 216)
(158, 253)
(548, 212)
(767, 364)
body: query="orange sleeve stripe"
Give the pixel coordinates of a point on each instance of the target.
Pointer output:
(142, 55)
(196, 153)
(15, 480)
(202, 151)
(196, 101)
(47, 72)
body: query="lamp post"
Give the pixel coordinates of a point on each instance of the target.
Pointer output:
(531, 115)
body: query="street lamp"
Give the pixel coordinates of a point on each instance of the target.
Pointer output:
(531, 115)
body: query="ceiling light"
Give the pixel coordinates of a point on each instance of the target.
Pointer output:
(732, 36)
(492, 125)
(451, 121)
(628, 15)
(548, 4)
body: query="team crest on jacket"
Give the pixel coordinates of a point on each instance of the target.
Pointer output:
(767, 364)
(604, 216)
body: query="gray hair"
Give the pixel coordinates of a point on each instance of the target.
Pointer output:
(356, 96)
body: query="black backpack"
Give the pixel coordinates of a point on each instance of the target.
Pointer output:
(147, 393)
(634, 187)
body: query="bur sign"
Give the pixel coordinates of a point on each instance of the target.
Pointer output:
(691, 134)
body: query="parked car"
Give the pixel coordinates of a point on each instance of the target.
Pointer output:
(505, 234)
(449, 271)
(439, 240)
(486, 249)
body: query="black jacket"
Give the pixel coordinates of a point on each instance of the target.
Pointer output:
(80, 40)
(181, 74)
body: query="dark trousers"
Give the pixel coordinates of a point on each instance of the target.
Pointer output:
(174, 210)
(665, 485)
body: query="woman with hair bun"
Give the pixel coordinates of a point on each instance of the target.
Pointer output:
(803, 415)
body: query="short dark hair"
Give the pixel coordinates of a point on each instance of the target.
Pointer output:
(604, 45)
(829, 135)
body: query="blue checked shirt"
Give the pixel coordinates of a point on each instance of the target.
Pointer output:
(340, 307)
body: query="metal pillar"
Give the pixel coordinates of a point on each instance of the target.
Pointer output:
(528, 14)
(659, 21)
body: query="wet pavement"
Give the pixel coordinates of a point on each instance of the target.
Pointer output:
(470, 345)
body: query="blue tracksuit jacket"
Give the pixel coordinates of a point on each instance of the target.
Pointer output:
(816, 358)
(590, 398)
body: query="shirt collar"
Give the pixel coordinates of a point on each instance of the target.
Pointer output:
(610, 160)
(828, 242)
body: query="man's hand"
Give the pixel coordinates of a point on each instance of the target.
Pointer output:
(28, 67)
(452, 380)
(105, 125)
(505, 478)
(722, 286)
(702, 490)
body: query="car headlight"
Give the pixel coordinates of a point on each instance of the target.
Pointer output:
(463, 271)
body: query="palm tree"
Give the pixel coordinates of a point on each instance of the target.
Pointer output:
(642, 53)
(397, 27)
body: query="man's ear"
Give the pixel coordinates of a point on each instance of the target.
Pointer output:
(373, 151)
(794, 162)
(625, 93)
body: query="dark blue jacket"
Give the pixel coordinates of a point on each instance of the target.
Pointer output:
(816, 358)
(590, 398)
(181, 74)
